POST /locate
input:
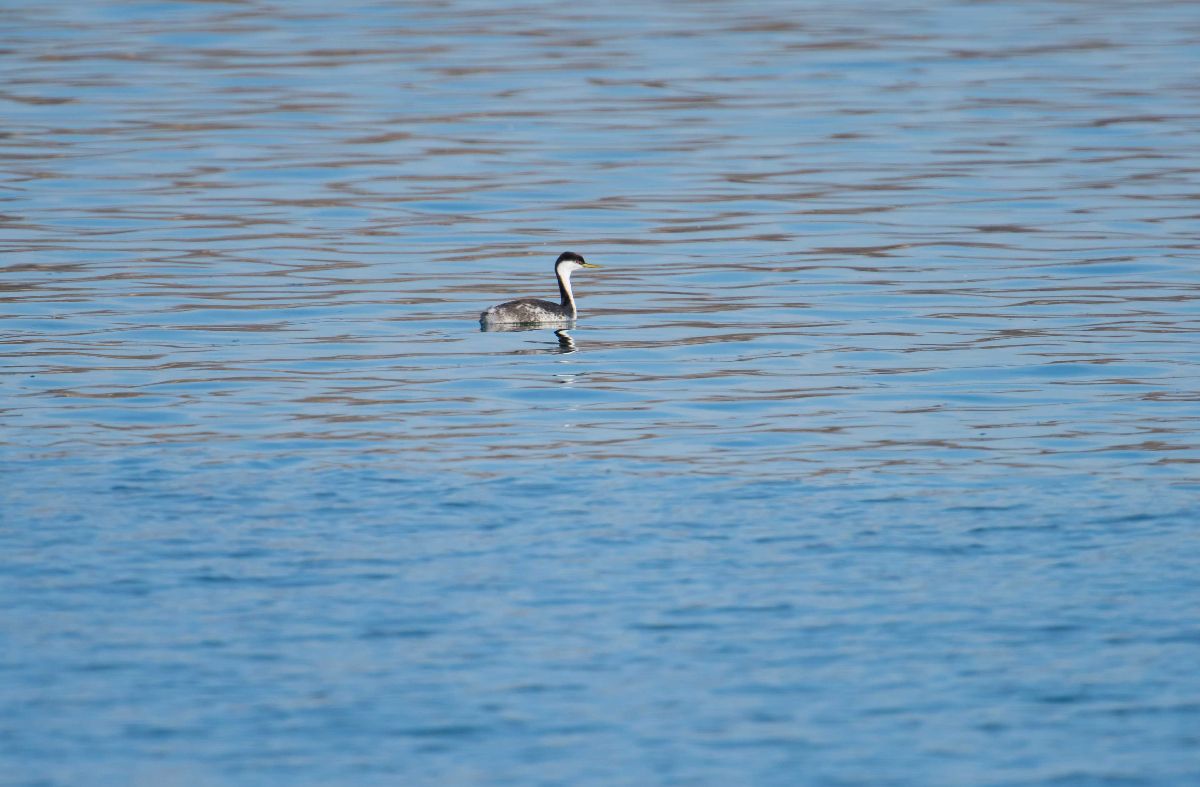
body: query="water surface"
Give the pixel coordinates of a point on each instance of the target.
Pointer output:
(871, 459)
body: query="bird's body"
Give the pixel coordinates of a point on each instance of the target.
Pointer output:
(527, 310)
(536, 310)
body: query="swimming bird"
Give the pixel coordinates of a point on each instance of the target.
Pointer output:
(534, 310)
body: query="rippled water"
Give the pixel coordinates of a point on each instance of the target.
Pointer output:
(872, 458)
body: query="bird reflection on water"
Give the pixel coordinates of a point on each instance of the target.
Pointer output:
(565, 343)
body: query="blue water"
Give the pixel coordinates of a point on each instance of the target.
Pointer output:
(872, 458)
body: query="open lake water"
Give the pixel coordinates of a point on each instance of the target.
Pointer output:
(871, 460)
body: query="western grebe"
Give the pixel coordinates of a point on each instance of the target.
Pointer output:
(533, 310)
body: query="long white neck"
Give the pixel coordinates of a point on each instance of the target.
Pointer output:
(564, 288)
